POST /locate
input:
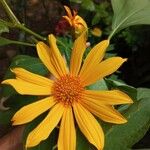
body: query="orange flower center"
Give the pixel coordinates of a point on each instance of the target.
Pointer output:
(67, 89)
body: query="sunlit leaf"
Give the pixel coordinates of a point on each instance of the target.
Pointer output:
(129, 12)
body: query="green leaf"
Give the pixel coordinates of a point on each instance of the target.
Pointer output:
(123, 137)
(65, 45)
(3, 27)
(128, 13)
(96, 19)
(82, 142)
(14, 103)
(76, 1)
(88, 5)
(101, 13)
(99, 85)
(29, 63)
(5, 116)
(143, 93)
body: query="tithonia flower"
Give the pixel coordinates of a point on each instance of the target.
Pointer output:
(75, 21)
(66, 98)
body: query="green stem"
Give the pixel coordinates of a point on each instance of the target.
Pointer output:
(23, 43)
(15, 22)
(9, 12)
(22, 27)
(112, 33)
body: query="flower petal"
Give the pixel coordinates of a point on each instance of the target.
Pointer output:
(80, 21)
(68, 11)
(57, 59)
(31, 77)
(94, 57)
(68, 19)
(89, 126)
(43, 130)
(101, 70)
(113, 97)
(105, 112)
(31, 111)
(77, 54)
(26, 88)
(67, 133)
(44, 53)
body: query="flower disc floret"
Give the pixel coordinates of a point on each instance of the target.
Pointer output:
(67, 89)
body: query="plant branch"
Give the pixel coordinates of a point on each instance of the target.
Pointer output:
(9, 12)
(16, 23)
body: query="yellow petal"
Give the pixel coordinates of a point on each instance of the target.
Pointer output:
(113, 97)
(79, 20)
(101, 70)
(105, 112)
(77, 54)
(68, 19)
(94, 57)
(31, 77)
(44, 54)
(89, 126)
(43, 130)
(67, 134)
(57, 59)
(31, 111)
(27, 88)
(68, 11)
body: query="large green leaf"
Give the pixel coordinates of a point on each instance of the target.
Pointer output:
(123, 137)
(27, 62)
(143, 93)
(99, 85)
(5, 116)
(82, 142)
(129, 12)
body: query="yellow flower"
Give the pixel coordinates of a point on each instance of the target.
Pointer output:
(75, 21)
(66, 97)
(96, 32)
